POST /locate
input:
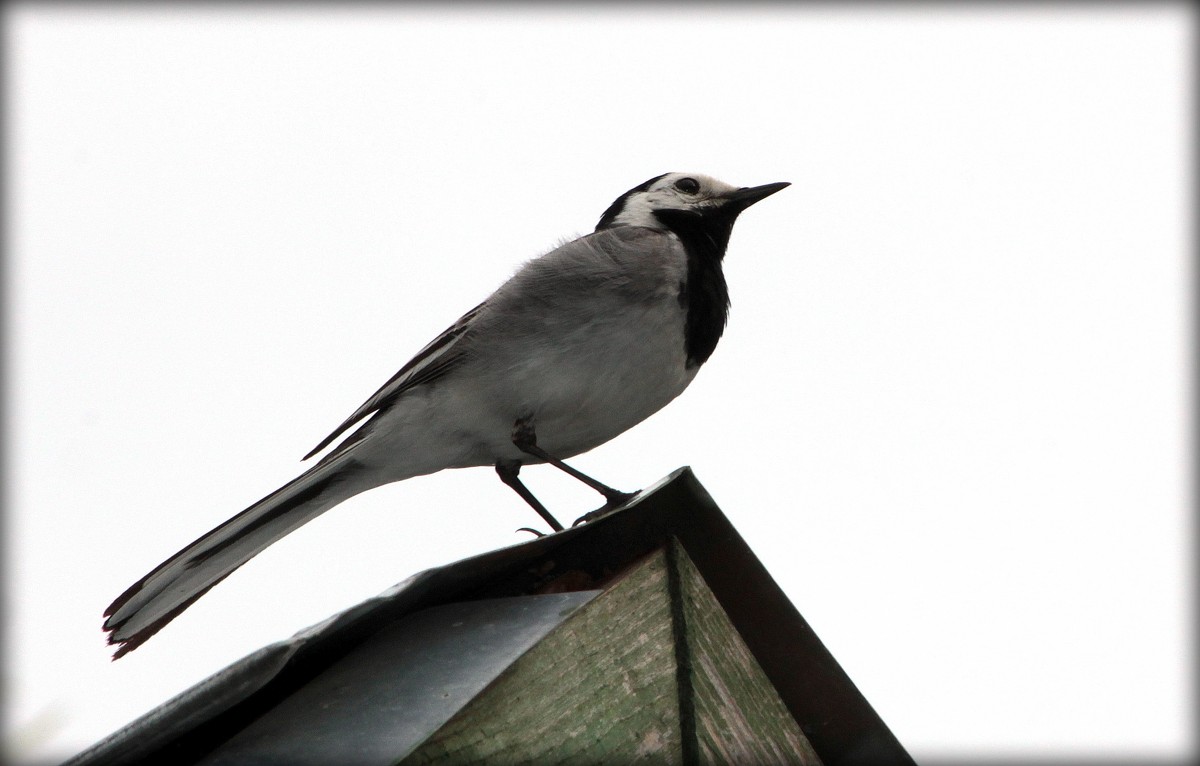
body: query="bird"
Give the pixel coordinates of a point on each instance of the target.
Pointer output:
(576, 347)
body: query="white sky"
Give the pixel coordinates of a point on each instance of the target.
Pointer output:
(949, 413)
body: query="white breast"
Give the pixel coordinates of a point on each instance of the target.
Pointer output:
(624, 370)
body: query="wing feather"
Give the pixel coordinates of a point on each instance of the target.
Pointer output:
(437, 358)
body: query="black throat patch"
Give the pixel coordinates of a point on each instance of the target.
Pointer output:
(705, 296)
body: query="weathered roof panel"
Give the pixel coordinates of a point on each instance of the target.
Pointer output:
(390, 693)
(838, 721)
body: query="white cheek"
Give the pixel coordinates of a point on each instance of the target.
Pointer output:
(639, 212)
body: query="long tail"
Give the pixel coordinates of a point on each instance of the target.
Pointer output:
(159, 597)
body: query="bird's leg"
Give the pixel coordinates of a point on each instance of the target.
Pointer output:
(508, 472)
(525, 439)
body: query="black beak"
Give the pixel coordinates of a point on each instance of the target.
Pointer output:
(747, 195)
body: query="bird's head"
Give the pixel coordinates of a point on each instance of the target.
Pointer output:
(675, 200)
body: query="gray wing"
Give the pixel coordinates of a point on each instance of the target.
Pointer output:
(430, 363)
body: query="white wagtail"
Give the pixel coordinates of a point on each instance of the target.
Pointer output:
(578, 346)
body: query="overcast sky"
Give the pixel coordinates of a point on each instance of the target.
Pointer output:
(949, 413)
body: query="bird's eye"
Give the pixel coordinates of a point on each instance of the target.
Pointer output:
(688, 185)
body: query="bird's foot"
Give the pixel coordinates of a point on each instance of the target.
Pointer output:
(615, 500)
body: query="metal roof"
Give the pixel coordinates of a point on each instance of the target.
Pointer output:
(572, 564)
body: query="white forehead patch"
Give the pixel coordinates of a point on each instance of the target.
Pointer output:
(665, 195)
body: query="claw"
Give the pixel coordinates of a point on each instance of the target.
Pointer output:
(531, 531)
